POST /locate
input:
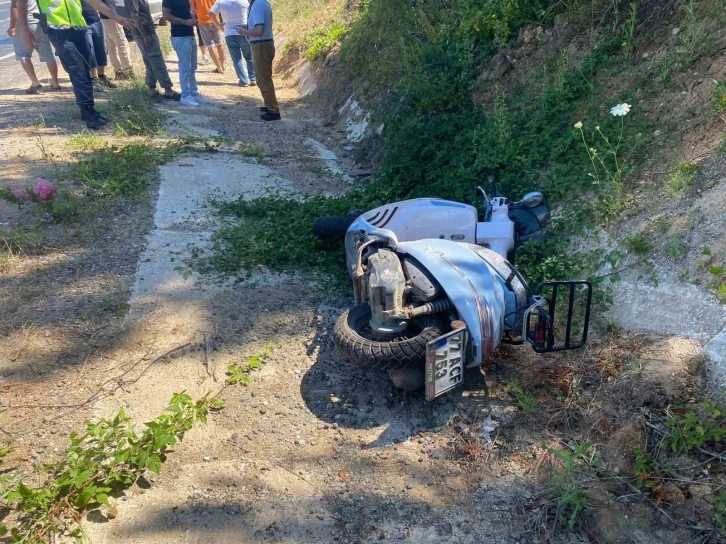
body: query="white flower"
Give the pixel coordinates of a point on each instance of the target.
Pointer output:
(621, 110)
(578, 124)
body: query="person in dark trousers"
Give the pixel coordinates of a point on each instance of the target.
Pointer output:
(97, 45)
(259, 32)
(66, 29)
(144, 35)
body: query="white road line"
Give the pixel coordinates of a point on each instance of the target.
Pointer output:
(7, 56)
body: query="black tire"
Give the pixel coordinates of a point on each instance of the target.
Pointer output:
(372, 354)
(334, 226)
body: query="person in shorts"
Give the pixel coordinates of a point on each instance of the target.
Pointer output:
(208, 31)
(24, 54)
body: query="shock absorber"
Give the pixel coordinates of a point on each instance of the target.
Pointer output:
(433, 307)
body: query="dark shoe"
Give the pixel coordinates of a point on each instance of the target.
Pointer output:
(264, 109)
(92, 118)
(269, 116)
(107, 83)
(124, 76)
(97, 85)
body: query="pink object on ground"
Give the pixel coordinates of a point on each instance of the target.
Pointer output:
(19, 192)
(44, 189)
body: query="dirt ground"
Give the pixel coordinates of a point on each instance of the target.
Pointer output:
(313, 449)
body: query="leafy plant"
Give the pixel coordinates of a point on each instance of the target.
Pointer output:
(680, 179)
(240, 373)
(627, 30)
(647, 478)
(134, 114)
(696, 429)
(108, 457)
(321, 40)
(121, 170)
(637, 244)
(522, 399)
(719, 97)
(576, 467)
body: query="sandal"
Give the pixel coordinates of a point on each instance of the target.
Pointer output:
(33, 89)
(58, 88)
(217, 71)
(174, 96)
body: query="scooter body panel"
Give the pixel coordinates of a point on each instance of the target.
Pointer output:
(475, 289)
(422, 218)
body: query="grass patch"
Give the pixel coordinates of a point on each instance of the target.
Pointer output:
(112, 170)
(133, 112)
(321, 40)
(85, 141)
(681, 178)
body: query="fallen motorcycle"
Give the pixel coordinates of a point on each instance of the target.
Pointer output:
(435, 293)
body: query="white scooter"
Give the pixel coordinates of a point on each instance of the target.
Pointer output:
(434, 290)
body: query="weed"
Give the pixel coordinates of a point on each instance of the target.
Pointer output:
(240, 373)
(647, 478)
(720, 510)
(627, 30)
(664, 66)
(133, 112)
(721, 293)
(696, 429)
(321, 40)
(718, 100)
(108, 457)
(247, 149)
(637, 244)
(681, 178)
(675, 247)
(522, 399)
(164, 42)
(121, 171)
(85, 141)
(15, 241)
(693, 37)
(576, 466)
(717, 270)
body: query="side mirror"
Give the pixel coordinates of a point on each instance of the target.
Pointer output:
(530, 200)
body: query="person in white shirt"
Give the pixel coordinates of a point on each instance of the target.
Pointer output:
(234, 13)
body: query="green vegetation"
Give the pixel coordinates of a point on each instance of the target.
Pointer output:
(522, 399)
(703, 428)
(637, 244)
(108, 457)
(573, 467)
(133, 113)
(241, 373)
(321, 40)
(681, 178)
(128, 170)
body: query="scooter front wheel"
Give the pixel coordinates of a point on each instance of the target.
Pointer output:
(358, 344)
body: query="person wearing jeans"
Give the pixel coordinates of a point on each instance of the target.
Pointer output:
(259, 31)
(179, 15)
(97, 47)
(234, 14)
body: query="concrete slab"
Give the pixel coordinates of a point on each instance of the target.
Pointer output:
(189, 183)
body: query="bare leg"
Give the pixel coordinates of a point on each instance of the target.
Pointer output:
(53, 70)
(214, 53)
(220, 53)
(27, 65)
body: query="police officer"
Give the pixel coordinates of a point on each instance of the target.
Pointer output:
(66, 28)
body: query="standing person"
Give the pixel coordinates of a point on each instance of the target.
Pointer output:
(144, 35)
(97, 46)
(208, 31)
(66, 30)
(234, 14)
(117, 46)
(259, 31)
(24, 53)
(179, 15)
(203, 50)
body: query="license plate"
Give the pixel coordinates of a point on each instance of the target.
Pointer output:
(445, 363)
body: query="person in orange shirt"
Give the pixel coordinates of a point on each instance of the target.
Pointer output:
(210, 34)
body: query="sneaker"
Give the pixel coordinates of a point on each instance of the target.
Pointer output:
(201, 99)
(269, 116)
(204, 60)
(189, 101)
(253, 83)
(243, 84)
